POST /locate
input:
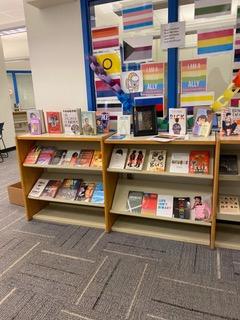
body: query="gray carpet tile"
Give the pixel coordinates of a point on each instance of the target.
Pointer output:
(62, 272)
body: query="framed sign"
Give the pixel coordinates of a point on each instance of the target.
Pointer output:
(144, 121)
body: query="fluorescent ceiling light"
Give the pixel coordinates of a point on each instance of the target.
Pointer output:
(12, 31)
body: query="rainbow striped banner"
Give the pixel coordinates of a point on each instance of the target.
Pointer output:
(196, 99)
(137, 16)
(105, 37)
(208, 8)
(194, 75)
(153, 78)
(215, 41)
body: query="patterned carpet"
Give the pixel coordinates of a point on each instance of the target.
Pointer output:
(50, 271)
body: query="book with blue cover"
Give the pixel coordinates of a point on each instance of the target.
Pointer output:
(98, 194)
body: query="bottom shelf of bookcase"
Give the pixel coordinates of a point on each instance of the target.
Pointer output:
(163, 229)
(228, 236)
(71, 214)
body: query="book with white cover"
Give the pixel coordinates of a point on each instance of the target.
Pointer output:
(178, 121)
(38, 188)
(179, 162)
(135, 159)
(165, 206)
(157, 160)
(72, 121)
(118, 158)
(124, 124)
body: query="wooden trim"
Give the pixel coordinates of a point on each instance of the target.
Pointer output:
(63, 137)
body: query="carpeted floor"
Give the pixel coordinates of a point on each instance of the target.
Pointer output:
(50, 271)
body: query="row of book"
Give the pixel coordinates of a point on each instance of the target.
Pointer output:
(68, 190)
(51, 156)
(196, 208)
(181, 162)
(69, 121)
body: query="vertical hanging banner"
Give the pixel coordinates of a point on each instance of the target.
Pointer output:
(137, 16)
(194, 75)
(105, 38)
(208, 8)
(153, 78)
(236, 63)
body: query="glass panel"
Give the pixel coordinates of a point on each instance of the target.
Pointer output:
(25, 90)
(11, 90)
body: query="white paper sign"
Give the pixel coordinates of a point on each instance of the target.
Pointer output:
(173, 35)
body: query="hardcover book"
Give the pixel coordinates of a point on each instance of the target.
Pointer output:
(68, 189)
(71, 158)
(179, 162)
(203, 122)
(123, 124)
(228, 164)
(59, 157)
(72, 121)
(134, 202)
(88, 122)
(85, 192)
(149, 204)
(102, 122)
(33, 155)
(165, 206)
(54, 122)
(178, 121)
(46, 155)
(229, 204)
(118, 159)
(38, 188)
(230, 119)
(98, 194)
(199, 162)
(135, 159)
(201, 208)
(35, 119)
(157, 160)
(97, 159)
(85, 158)
(51, 188)
(181, 207)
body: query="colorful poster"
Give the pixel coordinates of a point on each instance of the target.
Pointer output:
(132, 81)
(236, 62)
(153, 78)
(137, 16)
(103, 90)
(196, 99)
(137, 49)
(215, 41)
(105, 37)
(110, 61)
(194, 75)
(157, 101)
(208, 9)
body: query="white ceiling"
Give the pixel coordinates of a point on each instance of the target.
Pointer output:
(11, 14)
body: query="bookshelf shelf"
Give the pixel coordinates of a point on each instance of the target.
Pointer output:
(229, 177)
(63, 137)
(228, 236)
(229, 217)
(70, 168)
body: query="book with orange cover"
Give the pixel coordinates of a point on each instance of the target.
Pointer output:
(97, 159)
(54, 122)
(85, 158)
(33, 155)
(199, 162)
(149, 204)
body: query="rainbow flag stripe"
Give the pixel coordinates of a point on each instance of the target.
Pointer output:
(194, 75)
(137, 16)
(153, 78)
(103, 90)
(196, 99)
(105, 37)
(215, 41)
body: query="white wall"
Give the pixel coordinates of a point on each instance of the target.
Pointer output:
(5, 105)
(56, 56)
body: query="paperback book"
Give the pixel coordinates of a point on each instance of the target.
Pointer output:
(38, 188)
(85, 192)
(68, 189)
(165, 206)
(135, 159)
(201, 208)
(124, 124)
(59, 157)
(54, 122)
(85, 158)
(179, 162)
(178, 121)
(228, 164)
(203, 122)
(33, 155)
(88, 122)
(36, 124)
(149, 204)
(199, 162)
(102, 122)
(230, 121)
(51, 188)
(72, 121)
(98, 194)
(229, 204)
(157, 160)
(71, 158)
(97, 159)
(181, 207)
(118, 159)
(46, 155)
(134, 202)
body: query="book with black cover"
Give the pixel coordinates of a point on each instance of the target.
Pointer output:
(134, 201)
(228, 164)
(181, 207)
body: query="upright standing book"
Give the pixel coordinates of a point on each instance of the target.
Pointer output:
(178, 121)
(229, 204)
(203, 122)
(88, 123)
(228, 164)
(201, 207)
(51, 188)
(118, 159)
(97, 159)
(230, 121)
(181, 207)
(72, 121)
(33, 155)
(199, 161)
(85, 158)
(98, 194)
(68, 189)
(179, 162)
(165, 206)
(157, 160)
(135, 159)
(36, 124)
(102, 122)
(134, 202)
(123, 124)
(54, 122)
(149, 204)
(38, 188)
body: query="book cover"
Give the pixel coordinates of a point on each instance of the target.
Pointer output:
(199, 162)
(165, 206)
(71, 158)
(203, 122)
(228, 164)
(85, 192)
(229, 204)
(135, 159)
(38, 188)
(59, 157)
(46, 155)
(149, 204)
(181, 207)
(134, 201)
(88, 122)
(51, 188)
(97, 159)
(68, 189)
(201, 208)
(102, 122)
(98, 194)
(85, 158)
(179, 162)
(35, 119)
(157, 160)
(230, 119)
(118, 158)
(124, 124)
(178, 121)
(33, 155)
(54, 122)
(72, 121)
